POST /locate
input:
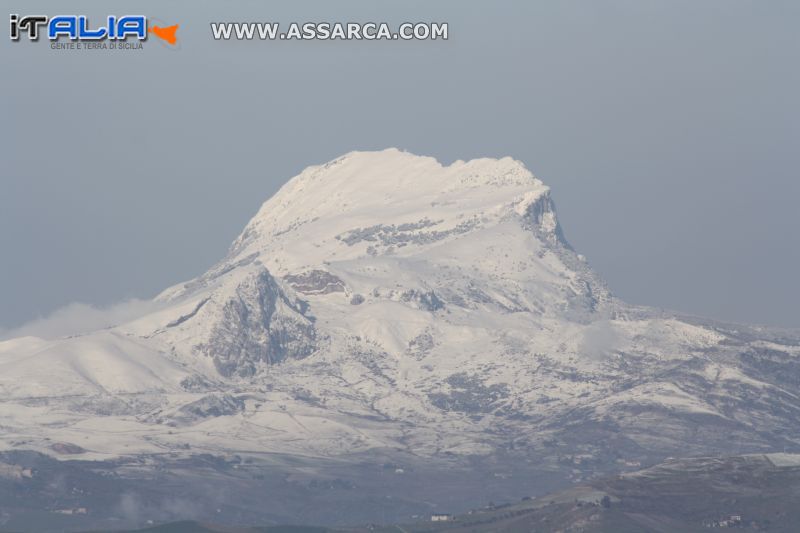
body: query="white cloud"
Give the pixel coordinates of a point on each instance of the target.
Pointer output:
(599, 340)
(79, 318)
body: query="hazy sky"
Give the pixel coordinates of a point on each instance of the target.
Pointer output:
(667, 130)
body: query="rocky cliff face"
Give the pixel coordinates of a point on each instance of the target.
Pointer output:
(260, 324)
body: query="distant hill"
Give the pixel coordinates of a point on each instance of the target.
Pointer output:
(188, 526)
(753, 492)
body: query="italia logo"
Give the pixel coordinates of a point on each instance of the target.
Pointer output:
(78, 28)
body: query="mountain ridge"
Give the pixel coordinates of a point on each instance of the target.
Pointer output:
(385, 304)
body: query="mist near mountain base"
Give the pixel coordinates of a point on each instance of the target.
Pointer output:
(80, 318)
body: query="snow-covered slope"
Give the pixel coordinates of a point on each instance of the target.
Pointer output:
(385, 301)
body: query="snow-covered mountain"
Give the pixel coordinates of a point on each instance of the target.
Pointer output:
(383, 301)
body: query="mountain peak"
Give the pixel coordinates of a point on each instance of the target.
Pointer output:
(398, 169)
(394, 187)
(390, 203)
